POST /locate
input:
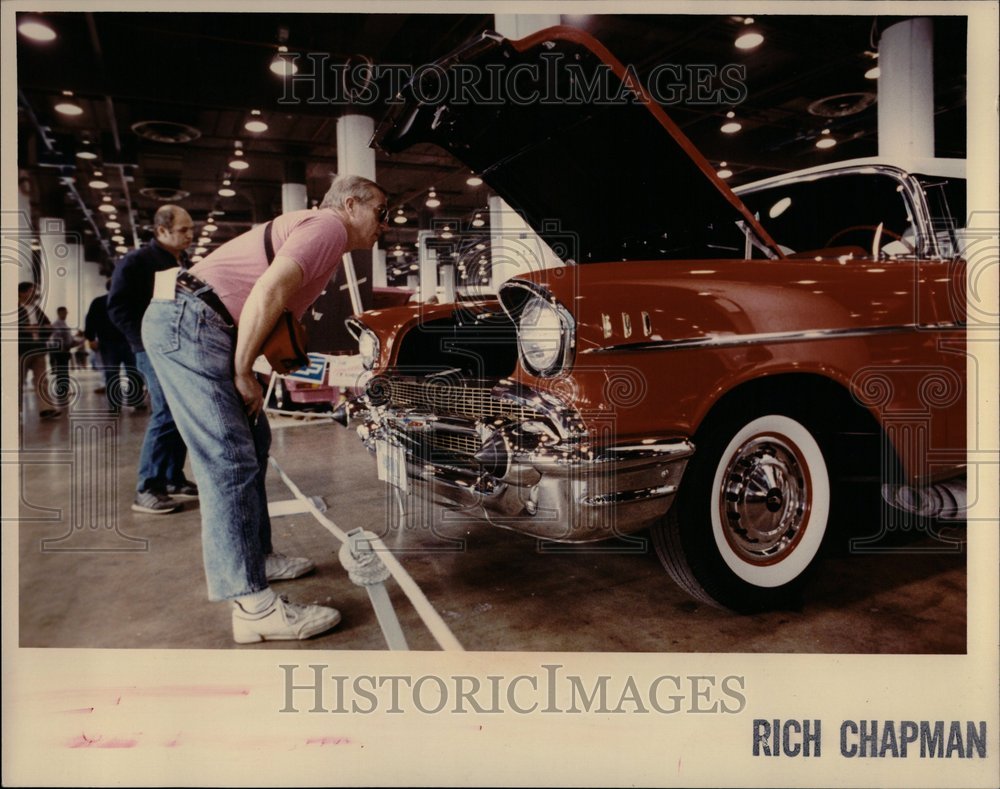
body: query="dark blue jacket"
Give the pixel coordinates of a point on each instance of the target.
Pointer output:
(132, 288)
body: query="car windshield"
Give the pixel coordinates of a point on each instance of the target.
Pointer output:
(858, 210)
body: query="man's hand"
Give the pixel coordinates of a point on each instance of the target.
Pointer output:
(249, 389)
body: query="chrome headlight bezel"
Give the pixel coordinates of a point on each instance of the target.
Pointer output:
(546, 331)
(368, 343)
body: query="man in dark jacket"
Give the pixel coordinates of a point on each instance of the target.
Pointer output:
(33, 329)
(161, 462)
(115, 352)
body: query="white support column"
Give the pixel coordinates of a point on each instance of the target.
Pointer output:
(521, 25)
(379, 276)
(354, 157)
(428, 275)
(448, 283)
(62, 269)
(906, 90)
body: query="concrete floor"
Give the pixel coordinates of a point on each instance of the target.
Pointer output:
(92, 573)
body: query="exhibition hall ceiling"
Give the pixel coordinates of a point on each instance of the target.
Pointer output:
(164, 100)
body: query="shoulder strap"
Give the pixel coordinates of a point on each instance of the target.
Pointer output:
(268, 243)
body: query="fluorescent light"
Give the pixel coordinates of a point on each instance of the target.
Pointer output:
(36, 30)
(749, 40)
(255, 124)
(282, 65)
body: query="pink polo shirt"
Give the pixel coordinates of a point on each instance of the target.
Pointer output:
(316, 240)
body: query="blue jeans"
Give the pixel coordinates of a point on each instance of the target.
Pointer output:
(191, 348)
(161, 460)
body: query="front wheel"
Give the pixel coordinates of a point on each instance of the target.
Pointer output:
(750, 516)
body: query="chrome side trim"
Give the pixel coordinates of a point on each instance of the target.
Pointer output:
(732, 340)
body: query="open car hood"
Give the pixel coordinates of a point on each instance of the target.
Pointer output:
(613, 179)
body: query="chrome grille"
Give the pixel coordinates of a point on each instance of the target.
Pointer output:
(455, 442)
(449, 398)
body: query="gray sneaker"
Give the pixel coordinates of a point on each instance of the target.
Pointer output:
(282, 621)
(153, 503)
(284, 568)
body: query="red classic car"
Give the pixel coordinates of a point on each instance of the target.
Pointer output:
(705, 367)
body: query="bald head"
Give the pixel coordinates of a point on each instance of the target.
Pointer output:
(173, 228)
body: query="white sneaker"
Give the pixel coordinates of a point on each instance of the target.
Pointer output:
(282, 621)
(284, 568)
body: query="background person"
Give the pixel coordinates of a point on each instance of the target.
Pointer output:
(61, 342)
(203, 344)
(161, 461)
(32, 348)
(115, 353)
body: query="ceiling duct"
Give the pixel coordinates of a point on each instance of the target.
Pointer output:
(166, 131)
(841, 105)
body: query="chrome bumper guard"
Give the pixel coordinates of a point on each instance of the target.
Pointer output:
(540, 476)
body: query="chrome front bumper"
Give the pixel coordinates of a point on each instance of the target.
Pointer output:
(541, 476)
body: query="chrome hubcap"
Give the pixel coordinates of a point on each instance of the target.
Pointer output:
(764, 499)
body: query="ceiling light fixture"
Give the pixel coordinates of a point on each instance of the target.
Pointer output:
(98, 181)
(474, 180)
(399, 218)
(255, 124)
(226, 190)
(113, 225)
(34, 28)
(69, 108)
(88, 155)
(446, 233)
(725, 173)
(107, 208)
(731, 126)
(118, 238)
(432, 199)
(749, 40)
(873, 73)
(477, 220)
(282, 64)
(210, 228)
(825, 142)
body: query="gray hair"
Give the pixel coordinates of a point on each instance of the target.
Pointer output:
(345, 186)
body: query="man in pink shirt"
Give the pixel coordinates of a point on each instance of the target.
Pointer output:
(203, 339)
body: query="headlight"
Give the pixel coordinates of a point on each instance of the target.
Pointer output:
(544, 336)
(368, 348)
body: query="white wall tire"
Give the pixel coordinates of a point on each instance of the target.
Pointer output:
(775, 469)
(751, 514)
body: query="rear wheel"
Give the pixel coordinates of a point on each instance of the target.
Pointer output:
(751, 513)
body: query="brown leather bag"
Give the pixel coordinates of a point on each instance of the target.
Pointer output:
(285, 346)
